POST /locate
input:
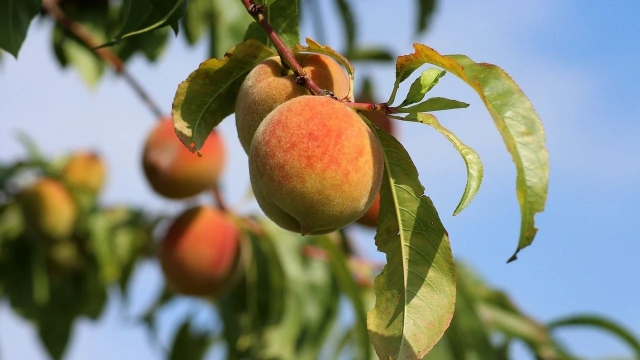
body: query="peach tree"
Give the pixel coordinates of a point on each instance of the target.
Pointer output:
(322, 155)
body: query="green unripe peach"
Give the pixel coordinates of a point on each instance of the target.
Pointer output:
(314, 165)
(175, 172)
(269, 84)
(49, 209)
(200, 251)
(85, 170)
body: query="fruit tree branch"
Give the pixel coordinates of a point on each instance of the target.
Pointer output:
(81, 32)
(287, 56)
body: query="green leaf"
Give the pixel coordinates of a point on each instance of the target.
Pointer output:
(71, 51)
(348, 20)
(471, 159)
(599, 323)
(425, 10)
(370, 54)
(228, 24)
(515, 119)
(310, 299)
(422, 85)
(283, 17)
(145, 15)
(11, 223)
(434, 104)
(255, 307)
(100, 236)
(338, 262)
(254, 31)
(209, 93)
(15, 17)
(500, 314)
(54, 329)
(152, 44)
(468, 337)
(195, 20)
(189, 346)
(415, 292)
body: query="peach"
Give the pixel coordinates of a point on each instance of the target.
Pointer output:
(314, 165)
(85, 170)
(370, 218)
(175, 172)
(199, 252)
(49, 209)
(269, 84)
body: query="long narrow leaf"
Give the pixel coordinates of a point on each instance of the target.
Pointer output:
(515, 119)
(471, 159)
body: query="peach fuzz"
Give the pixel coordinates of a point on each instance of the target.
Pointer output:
(314, 165)
(269, 84)
(199, 251)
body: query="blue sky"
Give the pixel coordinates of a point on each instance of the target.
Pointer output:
(576, 63)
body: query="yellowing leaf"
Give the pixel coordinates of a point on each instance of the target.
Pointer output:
(515, 119)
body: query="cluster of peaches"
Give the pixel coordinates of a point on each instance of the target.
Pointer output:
(314, 164)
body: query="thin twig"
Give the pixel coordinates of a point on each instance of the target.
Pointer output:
(287, 56)
(217, 195)
(81, 32)
(382, 107)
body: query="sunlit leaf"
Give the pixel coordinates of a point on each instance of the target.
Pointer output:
(101, 239)
(15, 17)
(415, 292)
(515, 119)
(209, 93)
(471, 159)
(425, 82)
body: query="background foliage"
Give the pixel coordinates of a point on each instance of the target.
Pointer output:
(131, 224)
